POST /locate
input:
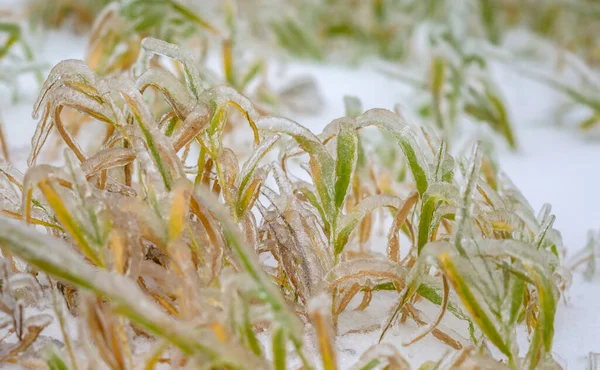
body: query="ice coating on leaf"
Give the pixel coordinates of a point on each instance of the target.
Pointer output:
(502, 220)
(510, 191)
(252, 162)
(158, 145)
(103, 17)
(229, 169)
(443, 191)
(301, 134)
(393, 242)
(465, 211)
(346, 158)
(319, 310)
(63, 96)
(10, 173)
(174, 91)
(440, 192)
(33, 176)
(249, 195)
(299, 257)
(107, 159)
(405, 137)
(223, 95)
(283, 183)
(347, 224)
(70, 71)
(40, 321)
(489, 248)
(440, 212)
(490, 194)
(322, 164)
(230, 166)
(590, 253)
(192, 76)
(193, 125)
(544, 213)
(40, 136)
(364, 269)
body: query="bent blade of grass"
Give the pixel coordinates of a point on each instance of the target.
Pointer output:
(151, 46)
(393, 243)
(321, 163)
(406, 139)
(174, 91)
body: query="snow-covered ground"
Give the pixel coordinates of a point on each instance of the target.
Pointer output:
(555, 165)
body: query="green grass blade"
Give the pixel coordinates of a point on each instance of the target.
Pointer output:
(347, 155)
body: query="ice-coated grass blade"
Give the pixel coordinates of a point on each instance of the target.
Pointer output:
(438, 192)
(68, 221)
(347, 155)
(406, 139)
(472, 305)
(464, 212)
(541, 343)
(321, 319)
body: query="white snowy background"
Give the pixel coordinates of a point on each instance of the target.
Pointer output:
(554, 164)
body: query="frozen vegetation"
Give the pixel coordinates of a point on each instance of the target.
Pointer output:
(188, 195)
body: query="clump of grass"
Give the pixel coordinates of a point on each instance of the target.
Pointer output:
(16, 56)
(166, 227)
(313, 29)
(575, 80)
(115, 45)
(458, 86)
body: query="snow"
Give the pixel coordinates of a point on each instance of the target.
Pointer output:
(554, 164)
